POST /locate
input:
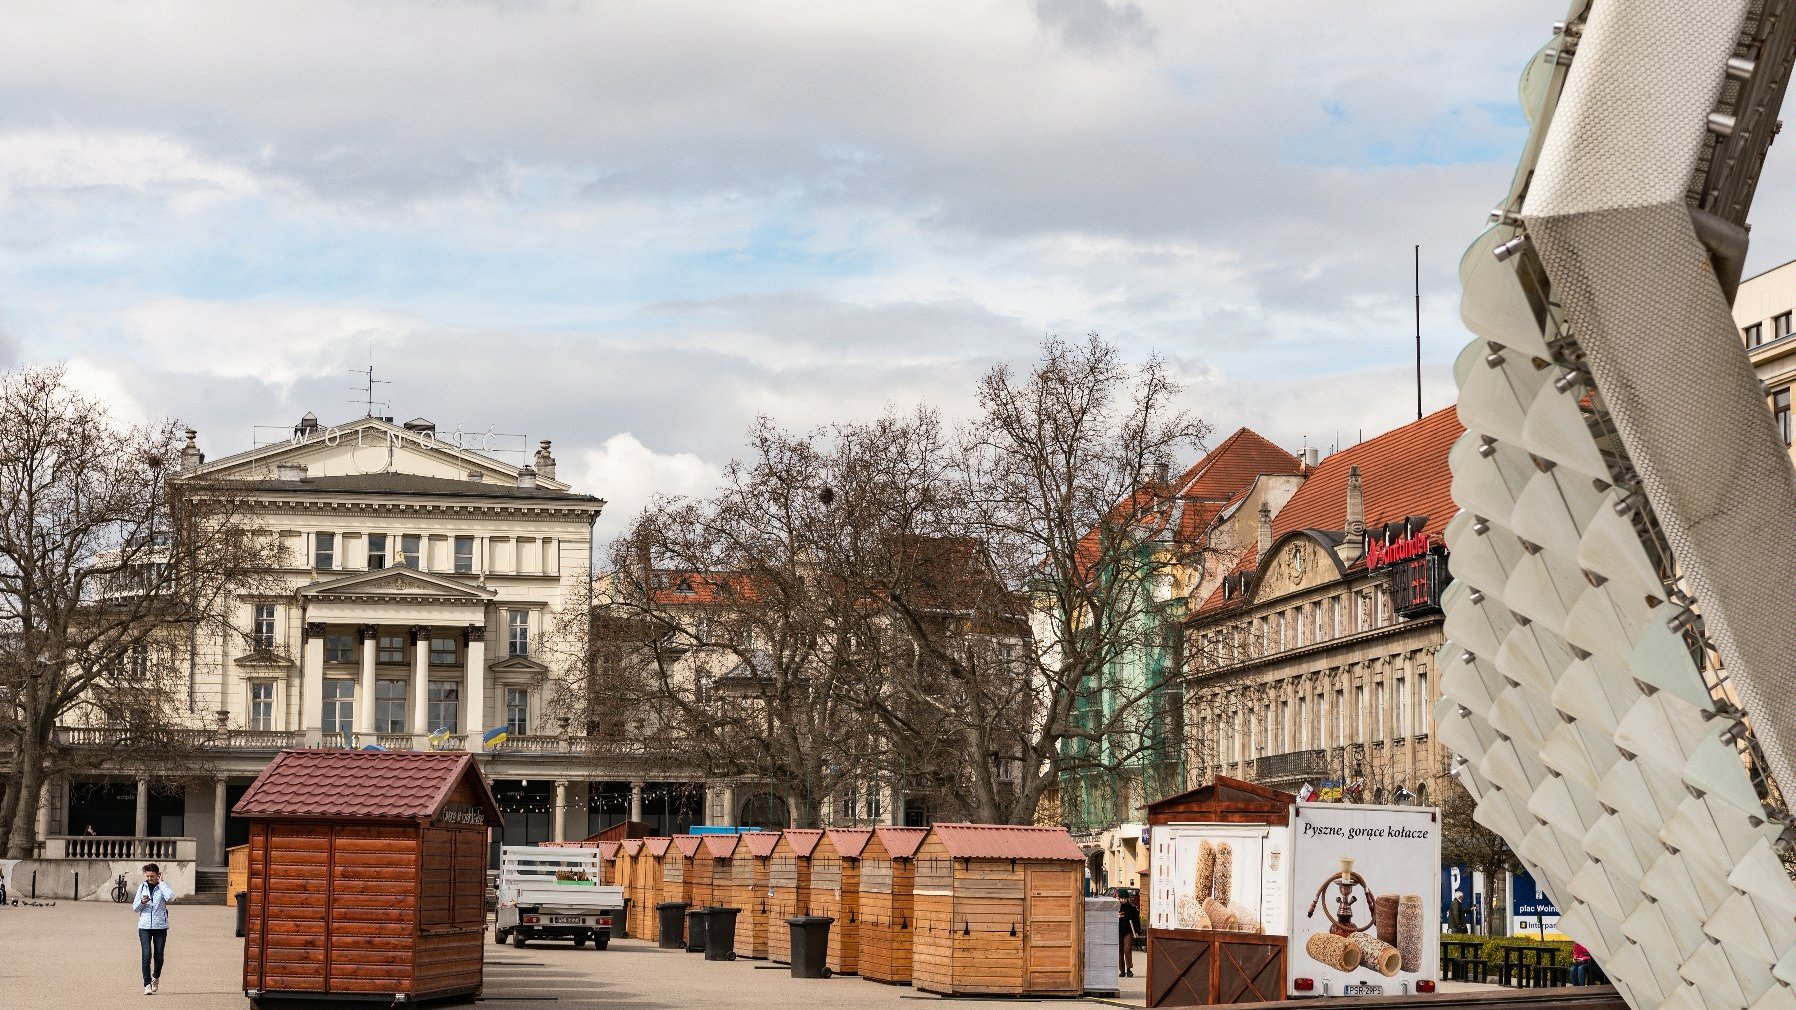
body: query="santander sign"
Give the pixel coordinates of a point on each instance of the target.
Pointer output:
(1403, 549)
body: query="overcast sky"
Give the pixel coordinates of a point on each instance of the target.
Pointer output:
(631, 227)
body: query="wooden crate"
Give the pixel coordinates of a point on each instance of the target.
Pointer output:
(789, 881)
(995, 924)
(750, 870)
(888, 873)
(357, 897)
(836, 892)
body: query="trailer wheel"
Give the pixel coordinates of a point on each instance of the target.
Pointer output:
(601, 941)
(517, 939)
(499, 936)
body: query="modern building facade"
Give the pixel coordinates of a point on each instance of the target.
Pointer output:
(1764, 310)
(430, 596)
(1312, 662)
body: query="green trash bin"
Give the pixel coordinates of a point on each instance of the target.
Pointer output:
(810, 945)
(673, 924)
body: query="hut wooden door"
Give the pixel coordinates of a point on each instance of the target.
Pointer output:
(1050, 964)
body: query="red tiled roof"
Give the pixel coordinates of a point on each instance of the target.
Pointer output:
(901, 843)
(1402, 473)
(376, 785)
(700, 588)
(1007, 841)
(722, 846)
(608, 850)
(850, 841)
(689, 844)
(631, 846)
(760, 843)
(803, 840)
(657, 845)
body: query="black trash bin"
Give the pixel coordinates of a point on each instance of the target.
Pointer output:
(720, 933)
(242, 912)
(673, 924)
(695, 929)
(810, 945)
(621, 922)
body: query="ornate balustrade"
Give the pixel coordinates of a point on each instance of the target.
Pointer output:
(118, 848)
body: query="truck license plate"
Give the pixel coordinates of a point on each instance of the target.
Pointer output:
(567, 920)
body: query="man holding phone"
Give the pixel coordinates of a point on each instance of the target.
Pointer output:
(151, 906)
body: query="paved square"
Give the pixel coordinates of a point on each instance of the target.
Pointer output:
(80, 955)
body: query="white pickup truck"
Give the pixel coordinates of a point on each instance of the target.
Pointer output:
(553, 893)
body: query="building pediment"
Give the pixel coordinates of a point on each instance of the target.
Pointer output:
(1301, 559)
(269, 658)
(397, 582)
(371, 444)
(517, 664)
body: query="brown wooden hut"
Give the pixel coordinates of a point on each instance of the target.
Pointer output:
(367, 875)
(624, 872)
(888, 872)
(751, 868)
(722, 879)
(695, 869)
(836, 892)
(999, 910)
(789, 880)
(649, 864)
(1201, 967)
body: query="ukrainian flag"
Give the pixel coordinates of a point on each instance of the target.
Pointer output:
(439, 738)
(495, 736)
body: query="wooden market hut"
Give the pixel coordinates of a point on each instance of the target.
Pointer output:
(623, 871)
(751, 868)
(695, 868)
(648, 881)
(1000, 910)
(789, 880)
(1201, 967)
(608, 863)
(721, 878)
(836, 892)
(888, 872)
(367, 875)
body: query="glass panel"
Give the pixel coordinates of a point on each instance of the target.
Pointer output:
(392, 648)
(389, 706)
(519, 638)
(263, 631)
(324, 551)
(408, 550)
(339, 648)
(464, 554)
(517, 711)
(339, 706)
(442, 652)
(377, 551)
(445, 706)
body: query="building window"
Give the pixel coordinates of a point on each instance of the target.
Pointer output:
(262, 627)
(464, 554)
(324, 551)
(442, 652)
(1427, 705)
(1334, 605)
(1302, 626)
(1340, 717)
(137, 662)
(1316, 620)
(1379, 706)
(1402, 707)
(1780, 412)
(445, 706)
(1780, 326)
(339, 706)
(1755, 334)
(1303, 724)
(392, 649)
(1284, 726)
(339, 648)
(377, 551)
(518, 639)
(408, 550)
(389, 706)
(517, 711)
(1359, 712)
(261, 705)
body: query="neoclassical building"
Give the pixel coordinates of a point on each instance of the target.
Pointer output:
(431, 595)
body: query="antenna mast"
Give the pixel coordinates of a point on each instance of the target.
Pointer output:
(1418, 332)
(367, 388)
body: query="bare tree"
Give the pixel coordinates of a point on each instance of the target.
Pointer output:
(107, 570)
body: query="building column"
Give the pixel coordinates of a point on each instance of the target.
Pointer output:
(420, 685)
(143, 807)
(636, 801)
(49, 783)
(474, 689)
(311, 688)
(561, 810)
(219, 812)
(364, 700)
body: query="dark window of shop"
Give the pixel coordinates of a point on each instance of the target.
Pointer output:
(1755, 334)
(529, 819)
(1780, 412)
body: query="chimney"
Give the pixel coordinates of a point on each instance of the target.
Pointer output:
(1265, 531)
(290, 472)
(307, 426)
(545, 463)
(191, 456)
(1354, 547)
(527, 477)
(421, 426)
(1311, 456)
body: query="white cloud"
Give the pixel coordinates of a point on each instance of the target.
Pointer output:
(628, 474)
(276, 342)
(99, 382)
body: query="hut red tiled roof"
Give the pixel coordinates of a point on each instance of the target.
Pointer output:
(760, 843)
(689, 844)
(1402, 473)
(901, 843)
(375, 785)
(850, 841)
(608, 850)
(657, 845)
(722, 846)
(803, 840)
(631, 846)
(1007, 841)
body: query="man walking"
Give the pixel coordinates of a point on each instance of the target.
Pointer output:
(1129, 925)
(151, 906)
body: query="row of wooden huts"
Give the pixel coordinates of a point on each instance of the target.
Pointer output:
(954, 909)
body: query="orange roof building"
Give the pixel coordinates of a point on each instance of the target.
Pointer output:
(1314, 654)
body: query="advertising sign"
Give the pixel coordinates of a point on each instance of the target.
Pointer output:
(1459, 883)
(1531, 910)
(1219, 876)
(1363, 880)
